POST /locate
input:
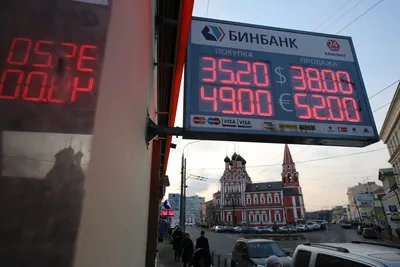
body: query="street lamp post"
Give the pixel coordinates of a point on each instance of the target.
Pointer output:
(182, 202)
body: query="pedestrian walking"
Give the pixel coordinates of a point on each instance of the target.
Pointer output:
(176, 243)
(202, 241)
(201, 258)
(273, 261)
(187, 250)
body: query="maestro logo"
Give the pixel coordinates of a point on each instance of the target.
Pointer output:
(213, 121)
(199, 120)
(333, 45)
(213, 33)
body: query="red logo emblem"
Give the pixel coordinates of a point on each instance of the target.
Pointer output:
(333, 45)
(199, 120)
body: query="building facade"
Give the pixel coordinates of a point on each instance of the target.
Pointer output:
(390, 200)
(390, 133)
(193, 209)
(242, 202)
(361, 198)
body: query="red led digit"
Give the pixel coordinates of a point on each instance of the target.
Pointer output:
(243, 72)
(211, 69)
(313, 80)
(267, 95)
(212, 98)
(81, 89)
(303, 106)
(300, 78)
(28, 81)
(328, 77)
(28, 44)
(58, 82)
(330, 100)
(231, 99)
(264, 80)
(344, 78)
(227, 71)
(319, 107)
(73, 49)
(42, 53)
(17, 88)
(82, 57)
(353, 109)
(242, 91)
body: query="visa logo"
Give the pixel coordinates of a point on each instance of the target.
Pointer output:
(243, 123)
(229, 122)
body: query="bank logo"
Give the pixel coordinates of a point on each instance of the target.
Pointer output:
(229, 122)
(213, 33)
(213, 121)
(333, 45)
(199, 120)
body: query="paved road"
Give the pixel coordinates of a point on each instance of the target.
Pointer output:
(223, 243)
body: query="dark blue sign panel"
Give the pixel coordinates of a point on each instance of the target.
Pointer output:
(253, 83)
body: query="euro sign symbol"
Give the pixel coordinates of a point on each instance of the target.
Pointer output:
(282, 78)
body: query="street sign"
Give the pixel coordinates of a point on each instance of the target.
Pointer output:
(254, 83)
(167, 213)
(381, 217)
(393, 208)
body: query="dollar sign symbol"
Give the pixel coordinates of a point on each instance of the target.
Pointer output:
(282, 78)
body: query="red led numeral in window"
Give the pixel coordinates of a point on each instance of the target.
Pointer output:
(324, 80)
(242, 101)
(230, 73)
(327, 107)
(210, 69)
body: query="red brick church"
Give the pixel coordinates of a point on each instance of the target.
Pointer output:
(241, 202)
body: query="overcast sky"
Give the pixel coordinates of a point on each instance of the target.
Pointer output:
(376, 36)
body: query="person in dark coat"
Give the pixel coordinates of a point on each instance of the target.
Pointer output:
(176, 243)
(201, 258)
(202, 242)
(187, 250)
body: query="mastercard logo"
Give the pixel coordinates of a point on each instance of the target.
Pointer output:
(213, 121)
(199, 120)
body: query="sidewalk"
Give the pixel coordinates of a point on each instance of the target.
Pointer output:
(165, 256)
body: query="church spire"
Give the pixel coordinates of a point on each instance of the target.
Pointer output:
(287, 156)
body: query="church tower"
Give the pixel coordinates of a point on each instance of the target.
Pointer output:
(290, 177)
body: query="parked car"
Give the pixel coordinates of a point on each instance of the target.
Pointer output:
(248, 230)
(309, 228)
(237, 229)
(369, 233)
(356, 253)
(301, 228)
(228, 229)
(254, 252)
(261, 229)
(220, 229)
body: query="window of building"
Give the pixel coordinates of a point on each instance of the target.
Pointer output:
(302, 258)
(251, 217)
(248, 200)
(276, 199)
(226, 188)
(264, 217)
(333, 261)
(229, 218)
(255, 200)
(217, 201)
(262, 200)
(277, 217)
(269, 199)
(257, 217)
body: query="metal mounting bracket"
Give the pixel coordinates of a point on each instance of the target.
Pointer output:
(153, 130)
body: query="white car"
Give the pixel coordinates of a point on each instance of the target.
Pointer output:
(301, 227)
(316, 226)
